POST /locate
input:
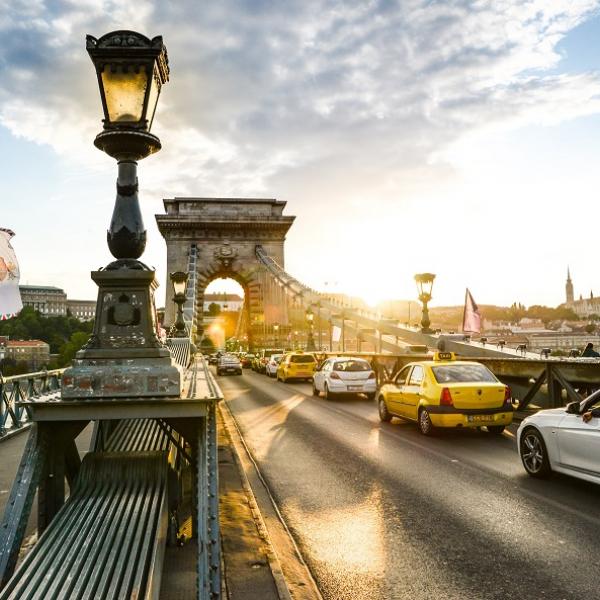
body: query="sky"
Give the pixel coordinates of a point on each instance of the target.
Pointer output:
(455, 137)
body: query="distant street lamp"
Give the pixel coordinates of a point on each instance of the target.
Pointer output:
(310, 342)
(424, 286)
(320, 326)
(131, 71)
(276, 331)
(179, 281)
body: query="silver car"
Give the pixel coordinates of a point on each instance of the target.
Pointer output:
(229, 364)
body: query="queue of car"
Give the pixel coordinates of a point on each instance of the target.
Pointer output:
(443, 392)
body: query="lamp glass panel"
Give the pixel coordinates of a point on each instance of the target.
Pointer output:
(179, 287)
(124, 91)
(152, 99)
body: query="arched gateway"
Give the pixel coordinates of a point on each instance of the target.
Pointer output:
(218, 237)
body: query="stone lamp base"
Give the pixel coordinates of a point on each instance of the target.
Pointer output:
(124, 356)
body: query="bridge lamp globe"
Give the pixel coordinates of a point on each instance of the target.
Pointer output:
(131, 71)
(179, 282)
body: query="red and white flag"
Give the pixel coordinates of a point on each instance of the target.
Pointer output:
(471, 316)
(10, 297)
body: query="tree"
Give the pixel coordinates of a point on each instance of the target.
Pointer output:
(206, 345)
(214, 309)
(68, 350)
(590, 328)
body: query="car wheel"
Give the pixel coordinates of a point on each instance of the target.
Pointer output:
(371, 396)
(534, 455)
(315, 391)
(329, 395)
(384, 414)
(497, 429)
(425, 425)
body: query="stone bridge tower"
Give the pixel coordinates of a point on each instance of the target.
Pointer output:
(217, 237)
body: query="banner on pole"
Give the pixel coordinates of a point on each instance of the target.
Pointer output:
(10, 297)
(471, 315)
(336, 333)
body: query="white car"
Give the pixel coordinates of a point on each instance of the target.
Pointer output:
(344, 375)
(271, 366)
(558, 439)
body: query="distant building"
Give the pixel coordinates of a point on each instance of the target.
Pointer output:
(561, 341)
(50, 301)
(34, 352)
(584, 307)
(226, 302)
(84, 310)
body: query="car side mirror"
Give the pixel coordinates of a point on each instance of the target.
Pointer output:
(573, 408)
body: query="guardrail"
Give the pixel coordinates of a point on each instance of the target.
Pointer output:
(181, 349)
(19, 388)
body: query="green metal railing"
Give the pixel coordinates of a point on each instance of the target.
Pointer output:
(24, 387)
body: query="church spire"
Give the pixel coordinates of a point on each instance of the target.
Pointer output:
(569, 287)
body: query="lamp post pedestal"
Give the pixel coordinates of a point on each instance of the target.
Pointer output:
(425, 322)
(310, 342)
(124, 356)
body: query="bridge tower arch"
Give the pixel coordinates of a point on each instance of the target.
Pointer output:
(217, 238)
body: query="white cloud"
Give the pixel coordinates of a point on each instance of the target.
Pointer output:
(305, 99)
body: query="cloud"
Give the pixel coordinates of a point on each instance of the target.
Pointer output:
(356, 102)
(262, 88)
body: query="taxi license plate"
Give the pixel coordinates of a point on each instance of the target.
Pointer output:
(355, 388)
(479, 418)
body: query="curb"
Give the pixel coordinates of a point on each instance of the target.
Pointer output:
(268, 517)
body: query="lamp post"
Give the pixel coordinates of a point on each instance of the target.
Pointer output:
(319, 325)
(424, 283)
(179, 281)
(124, 346)
(276, 331)
(310, 342)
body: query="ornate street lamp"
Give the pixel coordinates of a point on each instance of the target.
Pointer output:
(310, 317)
(131, 71)
(124, 356)
(276, 331)
(179, 281)
(424, 286)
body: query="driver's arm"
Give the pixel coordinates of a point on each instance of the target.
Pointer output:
(594, 413)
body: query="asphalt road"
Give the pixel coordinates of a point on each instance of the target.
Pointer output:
(381, 512)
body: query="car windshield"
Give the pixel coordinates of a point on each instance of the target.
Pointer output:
(302, 358)
(463, 374)
(276, 357)
(352, 365)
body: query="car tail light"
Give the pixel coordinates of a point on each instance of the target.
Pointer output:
(446, 397)
(334, 376)
(507, 396)
(371, 375)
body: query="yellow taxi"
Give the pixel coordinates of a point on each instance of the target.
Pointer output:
(296, 365)
(445, 392)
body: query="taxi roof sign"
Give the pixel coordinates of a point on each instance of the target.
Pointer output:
(444, 356)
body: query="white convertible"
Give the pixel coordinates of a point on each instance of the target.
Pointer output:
(559, 439)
